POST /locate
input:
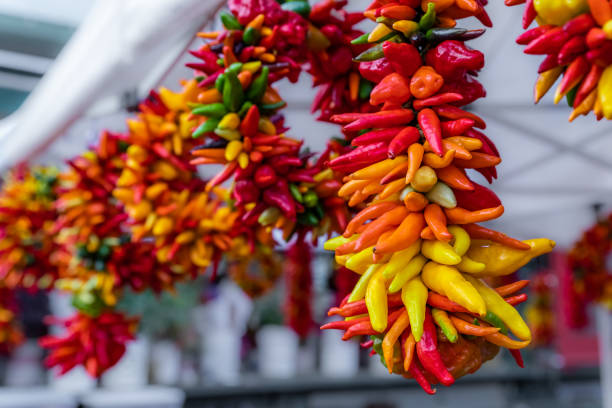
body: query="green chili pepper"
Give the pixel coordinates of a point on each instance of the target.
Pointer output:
(362, 39)
(269, 216)
(571, 95)
(300, 7)
(208, 126)
(230, 22)
(221, 62)
(200, 78)
(235, 67)
(219, 82)
(429, 18)
(494, 320)
(295, 193)
(365, 88)
(233, 96)
(371, 54)
(319, 210)
(214, 110)
(259, 85)
(250, 36)
(310, 199)
(438, 34)
(273, 106)
(245, 108)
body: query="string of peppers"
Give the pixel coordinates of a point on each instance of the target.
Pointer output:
(416, 242)
(576, 38)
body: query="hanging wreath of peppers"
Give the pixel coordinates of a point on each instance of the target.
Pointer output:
(576, 38)
(589, 278)
(415, 241)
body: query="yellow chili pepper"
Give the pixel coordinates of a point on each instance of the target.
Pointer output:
(399, 260)
(410, 270)
(376, 302)
(414, 297)
(231, 121)
(333, 243)
(448, 281)
(359, 290)
(406, 27)
(444, 322)
(440, 252)
(502, 260)
(232, 150)
(379, 169)
(379, 32)
(424, 179)
(545, 81)
(604, 92)
(506, 312)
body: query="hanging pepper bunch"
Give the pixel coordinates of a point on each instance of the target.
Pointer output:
(590, 279)
(539, 311)
(11, 335)
(256, 270)
(416, 241)
(576, 38)
(26, 223)
(163, 195)
(274, 184)
(95, 342)
(298, 278)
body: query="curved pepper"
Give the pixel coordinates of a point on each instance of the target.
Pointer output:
(414, 297)
(503, 260)
(440, 252)
(427, 350)
(447, 281)
(376, 302)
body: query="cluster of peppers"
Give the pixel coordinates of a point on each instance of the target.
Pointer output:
(416, 242)
(540, 309)
(576, 37)
(589, 279)
(11, 335)
(26, 220)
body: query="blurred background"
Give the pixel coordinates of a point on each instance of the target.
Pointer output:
(212, 345)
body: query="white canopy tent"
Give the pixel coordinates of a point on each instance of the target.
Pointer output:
(552, 172)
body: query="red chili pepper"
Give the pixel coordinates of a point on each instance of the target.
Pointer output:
(529, 14)
(530, 35)
(417, 374)
(579, 25)
(517, 299)
(477, 199)
(375, 136)
(222, 176)
(436, 100)
(595, 38)
(381, 119)
(572, 48)
(518, 357)
(344, 324)
(430, 125)
(453, 112)
(573, 74)
(551, 61)
(376, 70)
(479, 232)
(359, 307)
(456, 127)
(281, 199)
(589, 83)
(427, 350)
(245, 192)
(402, 141)
(404, 58)
(548, 43)
(442, 302)
(250, 123)
(265, 176)
(362, 154)
(451, 58)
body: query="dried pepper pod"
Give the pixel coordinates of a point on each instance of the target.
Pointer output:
(576, 38)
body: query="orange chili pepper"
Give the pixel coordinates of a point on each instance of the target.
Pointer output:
(415, 157)
(505, 341)
(405, 235)
(601, 11)
(460, 215)
(468, 5)
(354, 86)
(210, 96)
(351, 187)
(357, 198)
(210, 153)
(391, 337)
(392, 188)
(511, 287)
(436, 162)
(398, 12)
(440, 6)
(478, 161)
(368, 213)
(425, 82)
(427, 233)
(436, 220)
(460, 151)
(470, 143)
(399, 169)
(455, 178)
(415, 201)
(479, 232)
(373, 231)
(408, 347)
(446, 22)
(245, 78)
(464, 327)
